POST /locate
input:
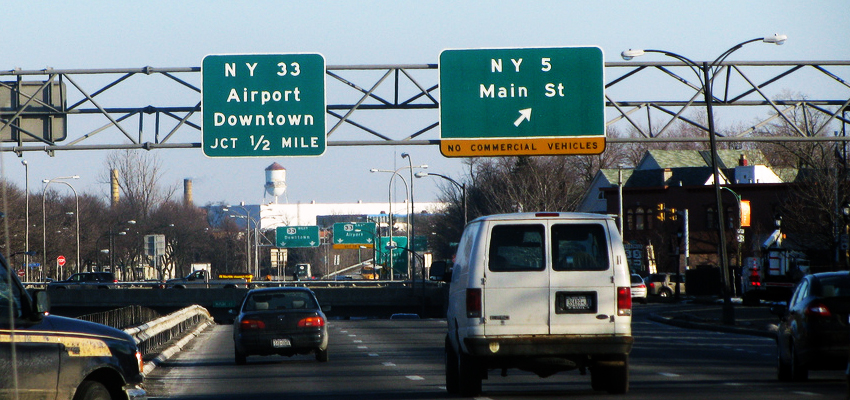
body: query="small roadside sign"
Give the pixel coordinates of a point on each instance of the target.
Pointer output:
(61, 261)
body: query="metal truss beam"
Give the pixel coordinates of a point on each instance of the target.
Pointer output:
(159, 108)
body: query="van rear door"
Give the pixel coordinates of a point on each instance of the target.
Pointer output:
(516, 281)
(582, 291)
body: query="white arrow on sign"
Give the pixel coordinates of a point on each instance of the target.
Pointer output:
(524, 115)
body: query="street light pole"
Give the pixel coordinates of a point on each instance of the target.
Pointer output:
(47, 183)
(390, 192)
(27, 220)
(461, 186)
(709, 71)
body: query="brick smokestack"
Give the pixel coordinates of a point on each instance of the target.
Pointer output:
(113, 186)
(187, 192)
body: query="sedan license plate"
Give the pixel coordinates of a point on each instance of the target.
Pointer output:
(279, 343)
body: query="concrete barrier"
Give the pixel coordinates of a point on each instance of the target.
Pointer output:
(341, 301)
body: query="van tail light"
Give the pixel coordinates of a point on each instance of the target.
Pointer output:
(248, 324)
(473, 303)
(311, 322)
(624, 301)
(818, 310)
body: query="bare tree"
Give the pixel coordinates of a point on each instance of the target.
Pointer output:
(139, 181)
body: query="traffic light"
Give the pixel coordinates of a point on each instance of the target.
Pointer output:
(672, 214)
(659, 212)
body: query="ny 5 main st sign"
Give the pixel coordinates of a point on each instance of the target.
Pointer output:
(523, 101)
(263, 105)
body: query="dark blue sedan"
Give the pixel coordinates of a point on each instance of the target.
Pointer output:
(283, 321)
(814, 333)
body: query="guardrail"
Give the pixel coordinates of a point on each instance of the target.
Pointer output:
(151, 336)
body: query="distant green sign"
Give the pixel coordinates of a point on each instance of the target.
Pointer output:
(353, 235)
(522, 101)
(297, 236)
(263, 105)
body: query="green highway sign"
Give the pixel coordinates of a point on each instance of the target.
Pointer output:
(522, 101)
(263, 105)
(353, 235)
(297, 236)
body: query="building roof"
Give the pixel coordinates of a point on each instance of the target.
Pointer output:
(661, 159)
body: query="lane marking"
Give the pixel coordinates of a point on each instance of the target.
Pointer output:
(668, 374)
(389, 364)
(374, 355)
(415, 378)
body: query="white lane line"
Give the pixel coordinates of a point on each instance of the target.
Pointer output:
(668, 374)
(362, 347)
(374, 355)
(415, 378)
(358, 341)
(389, 364)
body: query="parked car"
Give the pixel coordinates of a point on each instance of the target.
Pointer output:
(284, 321)
(664, 284)
(58, 357)
(86, 280)
(813, 330)
(638, 289)
(557, 298)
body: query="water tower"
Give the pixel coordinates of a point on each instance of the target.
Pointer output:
(275, 180)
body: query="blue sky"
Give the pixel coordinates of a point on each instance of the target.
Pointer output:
(110, 34)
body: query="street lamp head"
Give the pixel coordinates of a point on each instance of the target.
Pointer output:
(630, 54)
(405, 155)
(132, 222)
(421, 174)
(373, 170)
(776, 39)
(24, 162)
(845, 209)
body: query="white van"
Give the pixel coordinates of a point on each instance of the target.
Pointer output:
(543, 292)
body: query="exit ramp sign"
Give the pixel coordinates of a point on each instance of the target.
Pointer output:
(263, 105)
(291, 237)
(522, 101)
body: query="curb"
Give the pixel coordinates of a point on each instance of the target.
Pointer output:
(711, 327)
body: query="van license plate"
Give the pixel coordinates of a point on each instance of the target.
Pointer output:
(279, 343)
(575, 303)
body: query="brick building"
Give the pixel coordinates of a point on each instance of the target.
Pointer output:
(683, 180)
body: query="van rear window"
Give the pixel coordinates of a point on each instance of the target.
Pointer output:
(517, 248)
(579, 247)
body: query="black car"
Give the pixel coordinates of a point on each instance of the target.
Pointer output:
(284, 321)
(86, 280)
(61, 358)
(813, 331)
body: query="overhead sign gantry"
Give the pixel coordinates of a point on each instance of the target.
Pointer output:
(522, 101)
(263, 105)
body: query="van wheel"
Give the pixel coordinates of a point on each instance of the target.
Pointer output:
(469, 376)
(92, 390)
(665, 293)
(609, 376)
(452, 379)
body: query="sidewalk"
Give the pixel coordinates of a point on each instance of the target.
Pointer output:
(707, 314)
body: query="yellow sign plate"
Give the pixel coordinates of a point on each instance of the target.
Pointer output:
(583, 145)
(353, 246)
